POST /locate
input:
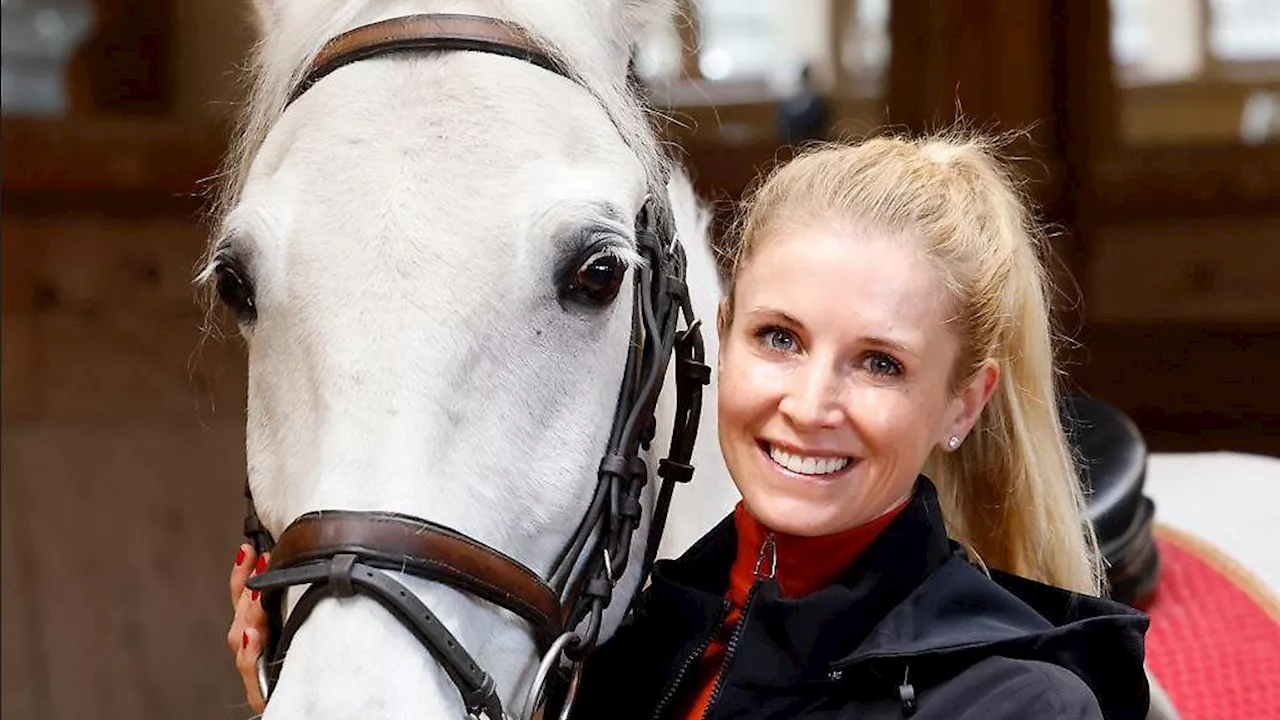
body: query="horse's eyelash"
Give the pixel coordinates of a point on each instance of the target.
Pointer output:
(625, 253)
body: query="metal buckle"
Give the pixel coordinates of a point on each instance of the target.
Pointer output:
(538, 688)
(608, 569)
(264, 686)
(572, 693)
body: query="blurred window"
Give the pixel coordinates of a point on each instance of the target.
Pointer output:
(1244, 29)
(739, 39)
(1128, 32)
(1196, 71)
(754, 50)
(864, 41)
(1161, 41)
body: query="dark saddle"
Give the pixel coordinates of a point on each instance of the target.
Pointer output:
(1113, 467)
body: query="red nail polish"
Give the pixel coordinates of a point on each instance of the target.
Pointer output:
(262, 564)
(244, 640)
(254, 596)
(239, 556)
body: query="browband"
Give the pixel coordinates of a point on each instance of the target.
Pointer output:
(428, 33)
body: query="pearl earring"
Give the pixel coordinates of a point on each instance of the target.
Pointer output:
(953, 442)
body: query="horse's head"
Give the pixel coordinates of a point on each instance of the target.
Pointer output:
(430, 256)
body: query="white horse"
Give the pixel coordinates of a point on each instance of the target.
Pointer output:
(402, 234)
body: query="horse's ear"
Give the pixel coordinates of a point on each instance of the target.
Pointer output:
(641, 15)
(266, 13)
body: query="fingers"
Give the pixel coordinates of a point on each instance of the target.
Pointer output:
(249, 613)
(245, 559)
(248, 631)
(250, 647)
(255, 617)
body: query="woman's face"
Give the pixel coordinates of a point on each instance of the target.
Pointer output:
(835, 377)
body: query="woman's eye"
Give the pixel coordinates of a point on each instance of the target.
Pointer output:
(599, 279)
(235, 291)
(881, 364)
(778, 339)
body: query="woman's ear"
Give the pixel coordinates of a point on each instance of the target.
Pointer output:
(967, 405)
(724, 317)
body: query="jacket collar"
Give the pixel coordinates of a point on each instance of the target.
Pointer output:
(911, 604)
(911, 548)
(828, 624)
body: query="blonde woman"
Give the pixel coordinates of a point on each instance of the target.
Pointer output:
(911, 540)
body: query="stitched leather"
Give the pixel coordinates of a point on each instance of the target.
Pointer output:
(395, 542)
(428, 32)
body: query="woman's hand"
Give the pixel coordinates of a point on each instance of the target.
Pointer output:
(248, 630)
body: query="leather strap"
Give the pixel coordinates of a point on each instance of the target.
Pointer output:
(444, 31)
(395, 542)
(343, 576)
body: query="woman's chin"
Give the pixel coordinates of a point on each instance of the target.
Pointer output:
(791, 515)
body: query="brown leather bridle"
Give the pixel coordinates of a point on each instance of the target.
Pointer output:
(340, 553)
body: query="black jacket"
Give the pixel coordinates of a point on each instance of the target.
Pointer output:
(913, 630)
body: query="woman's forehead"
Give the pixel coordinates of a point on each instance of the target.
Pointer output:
(881, 283)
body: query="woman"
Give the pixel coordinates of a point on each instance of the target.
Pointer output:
(887, 410)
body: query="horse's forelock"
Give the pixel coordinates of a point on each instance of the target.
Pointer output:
(292, 40)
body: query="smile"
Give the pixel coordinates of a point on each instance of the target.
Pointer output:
(811, 465)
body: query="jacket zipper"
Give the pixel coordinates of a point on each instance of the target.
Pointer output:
(729, 650)
(674, 686)
(769, 552)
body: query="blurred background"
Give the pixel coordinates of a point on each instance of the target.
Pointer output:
(1152, 145)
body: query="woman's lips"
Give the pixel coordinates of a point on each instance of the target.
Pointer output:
(807, 464)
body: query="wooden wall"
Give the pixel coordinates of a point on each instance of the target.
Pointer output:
(122, 456)
(1176, 242)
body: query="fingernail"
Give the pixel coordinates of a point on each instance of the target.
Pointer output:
(239, 556)
(244, 639)
(262, 564)
(253, 596)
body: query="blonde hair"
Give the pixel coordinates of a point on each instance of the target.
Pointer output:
(1010, 493)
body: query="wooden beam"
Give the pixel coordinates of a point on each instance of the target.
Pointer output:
(1166, 183)
(113, 164)
(1187, 386)
(990, 62)
(125, 66)
(986, 58)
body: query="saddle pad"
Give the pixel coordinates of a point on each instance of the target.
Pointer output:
(1214, 643)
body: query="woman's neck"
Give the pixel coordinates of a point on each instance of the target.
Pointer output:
(800, 565)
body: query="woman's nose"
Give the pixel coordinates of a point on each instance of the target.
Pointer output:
(812, 400)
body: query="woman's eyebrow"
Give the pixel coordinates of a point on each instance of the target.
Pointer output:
(775, 313)
(889, 344)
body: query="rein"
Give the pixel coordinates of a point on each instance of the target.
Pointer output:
(341, 553)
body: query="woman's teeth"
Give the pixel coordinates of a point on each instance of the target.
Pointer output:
(808, 465)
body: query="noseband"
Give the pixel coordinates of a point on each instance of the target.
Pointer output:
(340, 553)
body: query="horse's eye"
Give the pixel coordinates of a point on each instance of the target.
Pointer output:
(235, 290)
(600, 278)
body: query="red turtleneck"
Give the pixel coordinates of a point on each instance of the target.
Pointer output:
(801, 565)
